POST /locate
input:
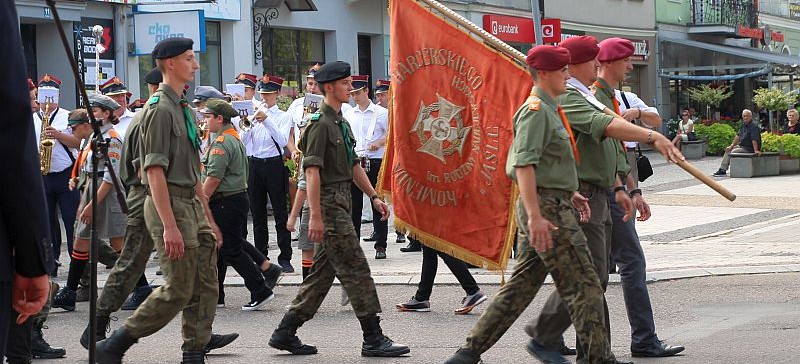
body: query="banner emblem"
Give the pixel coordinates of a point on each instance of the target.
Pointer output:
(437, 134)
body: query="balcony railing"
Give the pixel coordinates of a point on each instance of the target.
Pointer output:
(730, 13)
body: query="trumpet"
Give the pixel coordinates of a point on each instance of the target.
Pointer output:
(202, 129)
(244, 122)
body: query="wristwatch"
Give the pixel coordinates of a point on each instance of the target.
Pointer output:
(635, 191)
(373, 197)
(620, 188)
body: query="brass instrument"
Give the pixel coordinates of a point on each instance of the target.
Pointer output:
(244, 123)
(296, 158)
(45, 144)
(202, 129)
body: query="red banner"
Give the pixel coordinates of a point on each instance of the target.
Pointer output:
(453, 99)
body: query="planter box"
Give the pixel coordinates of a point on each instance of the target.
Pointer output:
(694, 149)
(747, 165)
(789, 165)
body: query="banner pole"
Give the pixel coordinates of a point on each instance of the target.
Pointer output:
(537, 22)
(486, 36)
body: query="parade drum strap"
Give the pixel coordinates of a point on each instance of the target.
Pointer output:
(371, 129)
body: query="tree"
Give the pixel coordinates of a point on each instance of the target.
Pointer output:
(709, 96)
(774, 99)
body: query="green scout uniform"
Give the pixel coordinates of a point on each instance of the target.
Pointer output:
(169, 141)
(328, 144)
(228, 162)
(541, 140)
(605, 94)
(137, 242)
(597, 171)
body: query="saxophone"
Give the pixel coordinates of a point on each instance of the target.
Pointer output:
(45, 144)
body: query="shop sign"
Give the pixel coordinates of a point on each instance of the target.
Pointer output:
(217, 10)
(520, 30)
(151, 28)
(88, 45)
(641, 51)
(756, 33)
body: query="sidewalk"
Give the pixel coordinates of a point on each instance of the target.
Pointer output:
(693, 232)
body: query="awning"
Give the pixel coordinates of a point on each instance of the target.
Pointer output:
(710, 61)
(752, 53)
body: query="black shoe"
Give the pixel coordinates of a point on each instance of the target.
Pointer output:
(111, 350)
(720, 173)
(463, 356)
(376, 344)
(102, 324)
(218, 341)
(545, 355)
(40, 349)
(658, 350)
(380, 254)
(285, 336)
(566, 350)
(261, 299)
(193, 357)
(411, 247)
(271, 275)
(65, 298)
(82, 294)
(286, 266)
(371, 237)
(400, 239)
(136, 299)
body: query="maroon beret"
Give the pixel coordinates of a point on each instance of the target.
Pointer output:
(582, 48)
(614, 49)
(547, 58)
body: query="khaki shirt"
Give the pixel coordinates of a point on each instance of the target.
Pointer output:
(165, 142)
(323, 145)
(542, 140)
(598, 154)
(605, 94)
(129, 173)
(226, 160)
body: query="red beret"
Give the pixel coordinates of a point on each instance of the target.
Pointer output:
(582, 48)
(614, 49)
(547, 58)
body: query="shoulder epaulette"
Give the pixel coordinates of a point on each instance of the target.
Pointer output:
(220, 139)
(315, 116)
(533, 103)
(153, 100)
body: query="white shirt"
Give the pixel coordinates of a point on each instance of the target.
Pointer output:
(369, 126)
(579, 85)
(258, 141)
(60, 160)
(114, 149)
(635, 102)
(124, 121)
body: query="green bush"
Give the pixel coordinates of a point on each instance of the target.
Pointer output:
(791, 145)
(771, 143)
(719, 136)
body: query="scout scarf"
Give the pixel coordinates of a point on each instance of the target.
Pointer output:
(190, 125)
(344, 127)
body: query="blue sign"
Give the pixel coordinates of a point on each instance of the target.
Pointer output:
(151, 28)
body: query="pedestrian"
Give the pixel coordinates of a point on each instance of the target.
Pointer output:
(330, 166)
(115, 89)
(542, 161)
(176, 213)
(747, 140)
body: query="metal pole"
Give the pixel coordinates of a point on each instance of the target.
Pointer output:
(769, 112)
(97, 30)
(537, 22)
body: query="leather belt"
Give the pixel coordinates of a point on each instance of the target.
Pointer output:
(177, 191)
(221, 195)
(554, 192)
(265, 160)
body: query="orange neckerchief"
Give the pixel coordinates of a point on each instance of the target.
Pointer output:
(616, 109)
(571, 135)
(82, 155)
(233, 133)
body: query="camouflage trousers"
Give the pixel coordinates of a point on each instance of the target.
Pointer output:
(190, 282)
(340, 256)
(569, 264)
(129, 268)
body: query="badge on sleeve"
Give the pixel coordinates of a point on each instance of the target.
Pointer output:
(217, 151)
(315, 116)
(533, 103)
(220, 139)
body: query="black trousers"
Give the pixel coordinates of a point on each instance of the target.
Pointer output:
(269, 181)
(381, 228)
(18, 346)
(58, 196)
(230, 213)
(222, 265)
(5, 315)
(430, 263)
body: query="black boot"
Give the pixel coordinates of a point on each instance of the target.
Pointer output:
(218, 341)
(65, 298)
(111, 350)
(375, 342)
(464, 356)
(102, 325)
(40, 348)
(139, 295)
(193, 357)
(285, 336)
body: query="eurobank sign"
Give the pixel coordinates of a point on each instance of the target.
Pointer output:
(151, 28)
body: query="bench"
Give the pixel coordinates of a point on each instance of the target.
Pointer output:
(747, 165)
(695, 149)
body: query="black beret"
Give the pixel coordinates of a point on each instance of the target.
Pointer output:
(220, 107)
(172, 47)
(154, 77)
(332, 71)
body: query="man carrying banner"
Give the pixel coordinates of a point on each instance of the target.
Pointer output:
(600, 169)
(330, 166)
(542, 160)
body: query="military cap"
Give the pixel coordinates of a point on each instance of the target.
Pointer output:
(249, 80)
(103, 101)
(614, 49)
(313, 70)
(172, 47)
(360, 81)
(203, 93)
(270, 84)
(77, 117)
(31, 85)
(219, 107)
(332, 71)
(582, 48)
(49, 80)
(114, 86)
(154, 77)
(382, 86)
(547, 57)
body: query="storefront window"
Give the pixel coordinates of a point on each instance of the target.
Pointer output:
(633, 83)
(210, 72)
(146, 64)
(290, 53)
